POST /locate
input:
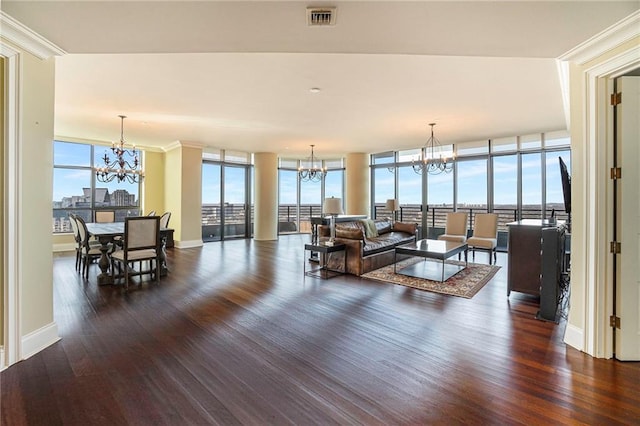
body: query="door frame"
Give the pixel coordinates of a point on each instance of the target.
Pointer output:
(12, 348)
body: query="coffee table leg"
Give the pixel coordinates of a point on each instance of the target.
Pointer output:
(442, 280)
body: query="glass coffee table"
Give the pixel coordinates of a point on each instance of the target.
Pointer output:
(431, 249)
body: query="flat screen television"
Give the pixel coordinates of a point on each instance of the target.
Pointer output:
(566, 186)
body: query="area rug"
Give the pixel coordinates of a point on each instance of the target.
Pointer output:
(465, 283)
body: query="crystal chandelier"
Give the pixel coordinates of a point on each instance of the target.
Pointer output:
(313, 173)
(120, 168)
(433, 159)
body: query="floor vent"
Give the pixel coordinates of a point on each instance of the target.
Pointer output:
(321, 16)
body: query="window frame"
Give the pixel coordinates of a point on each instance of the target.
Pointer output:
(132, 210)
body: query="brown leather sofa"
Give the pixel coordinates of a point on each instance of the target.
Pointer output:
(364, 253)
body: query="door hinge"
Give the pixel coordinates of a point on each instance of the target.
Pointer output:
(614, 321)
(616, 173)
(616, 98)
(615, 247)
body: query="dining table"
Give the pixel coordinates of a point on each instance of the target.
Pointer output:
(107, 233)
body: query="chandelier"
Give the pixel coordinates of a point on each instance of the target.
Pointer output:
(120, 168)
(433, 160)
(313, 173)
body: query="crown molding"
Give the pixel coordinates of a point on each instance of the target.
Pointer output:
(605, 41)
(27, 39)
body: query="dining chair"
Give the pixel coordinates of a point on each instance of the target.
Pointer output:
(485, 235)
(141, 242)
(88, 252)
(455, 228)
(164, 220)
(151, 213)
(76, 237)
(105, 216)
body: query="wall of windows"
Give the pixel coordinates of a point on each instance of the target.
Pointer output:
(516, 177)
(76, 190)
(298, 200)
(227, 199)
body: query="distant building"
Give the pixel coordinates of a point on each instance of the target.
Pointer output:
(121, 197)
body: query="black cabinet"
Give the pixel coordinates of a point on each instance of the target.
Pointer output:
(526, 255)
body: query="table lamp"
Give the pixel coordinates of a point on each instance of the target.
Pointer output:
(393, 206)
(332, 207)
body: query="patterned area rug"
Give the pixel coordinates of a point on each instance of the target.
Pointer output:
(465, 283)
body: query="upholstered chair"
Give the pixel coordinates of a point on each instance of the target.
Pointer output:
(456, 228)
(164, 220)
(485, 234)
(88, 251)
(141, 243)
(105, 216)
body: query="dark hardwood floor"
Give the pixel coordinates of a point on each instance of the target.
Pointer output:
(235, 335)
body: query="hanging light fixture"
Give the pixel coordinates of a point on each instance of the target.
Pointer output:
(312, 173)
(433, 159)
(120, 168)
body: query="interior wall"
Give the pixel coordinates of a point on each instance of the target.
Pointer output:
(357, 188)
(153, 186)
(191, 194)
(36, 165)
(172, 189)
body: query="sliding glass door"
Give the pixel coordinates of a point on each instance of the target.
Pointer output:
(235, 202)
(225, 201)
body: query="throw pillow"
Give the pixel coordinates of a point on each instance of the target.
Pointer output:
(369, 228)
(405, 227)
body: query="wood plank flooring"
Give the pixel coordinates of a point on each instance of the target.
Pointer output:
(236, 335)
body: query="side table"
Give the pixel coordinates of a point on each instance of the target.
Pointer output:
(323, 271)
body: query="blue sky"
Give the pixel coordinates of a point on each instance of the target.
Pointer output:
(69, 182)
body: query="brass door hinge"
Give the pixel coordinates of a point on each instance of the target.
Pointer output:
(615, 247)
(614, 321)
(616, 173)
(616, 98)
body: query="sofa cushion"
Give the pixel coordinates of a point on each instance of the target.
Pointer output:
(383, 226)
(386, 242)
(351, 233)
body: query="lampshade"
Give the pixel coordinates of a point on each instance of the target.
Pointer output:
(332, 206)
(392, 205)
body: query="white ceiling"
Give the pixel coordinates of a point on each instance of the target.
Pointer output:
(236, 75)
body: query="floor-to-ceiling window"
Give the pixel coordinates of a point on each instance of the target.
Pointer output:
(76, 189)
(515, 177)
(554, 144)
(300, 199)
(226, 195)
(471, 186)
(288, 198)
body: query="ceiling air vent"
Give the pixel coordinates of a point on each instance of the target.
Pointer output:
(318, 16)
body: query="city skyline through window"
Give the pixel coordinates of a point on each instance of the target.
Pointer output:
(76, 190)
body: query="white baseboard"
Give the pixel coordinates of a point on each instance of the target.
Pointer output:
(574, 337)
(2, 365)
(188, 244)
(64, 247)
(39, 339)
